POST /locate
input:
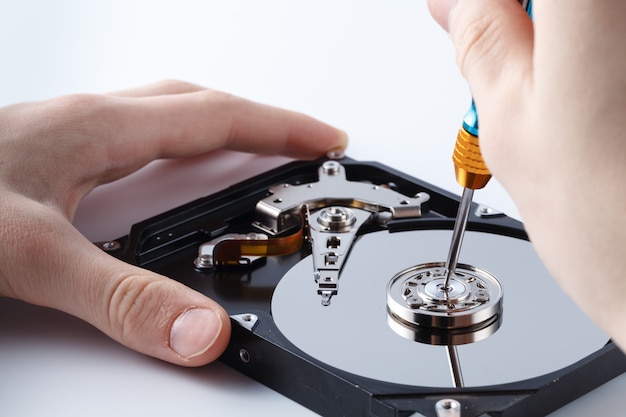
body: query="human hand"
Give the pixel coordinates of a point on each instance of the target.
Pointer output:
(551, 98)
(53, 153)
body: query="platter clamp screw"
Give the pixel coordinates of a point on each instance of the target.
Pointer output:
(420, 307)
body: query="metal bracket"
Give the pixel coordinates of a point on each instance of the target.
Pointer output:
(336, 210)
(280, 211)
(247, 320)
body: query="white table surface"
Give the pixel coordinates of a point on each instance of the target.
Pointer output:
(384, 72)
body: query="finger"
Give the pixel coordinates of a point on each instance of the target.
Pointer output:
(494, 47)
(440, 10)
(194, 123)
(578, 51)
(164, 87)
(147, 312)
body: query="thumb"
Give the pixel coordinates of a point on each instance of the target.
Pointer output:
(493, 41)
(46, 261)
(158, 316)
(440, 11)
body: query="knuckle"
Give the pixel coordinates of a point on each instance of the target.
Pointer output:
(132, 304)
(170, 82)
(226, 108)
(77, 100)
(221, 97)
(76, 105)
(476, 37)
(173, 85)
(76, 114)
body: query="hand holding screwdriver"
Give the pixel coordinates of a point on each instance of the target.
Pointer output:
(552, 99)
(471, 173)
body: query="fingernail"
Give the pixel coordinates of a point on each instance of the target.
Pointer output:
(339, 151)
(335, 153)
(194, 332)
(343, 141)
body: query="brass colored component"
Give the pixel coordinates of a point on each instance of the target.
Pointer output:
(469, 166)
(229, 252)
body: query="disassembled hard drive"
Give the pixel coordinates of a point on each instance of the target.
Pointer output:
(332, 272)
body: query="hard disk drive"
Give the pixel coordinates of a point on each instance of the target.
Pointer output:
(331, 271)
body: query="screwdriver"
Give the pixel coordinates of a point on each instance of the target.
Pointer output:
(471, 173)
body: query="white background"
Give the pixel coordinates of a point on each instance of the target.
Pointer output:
(382, 71)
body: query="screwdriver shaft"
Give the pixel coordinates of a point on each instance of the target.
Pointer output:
(455, 366)
(458, 232)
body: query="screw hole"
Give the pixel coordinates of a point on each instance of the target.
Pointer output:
(244, 355)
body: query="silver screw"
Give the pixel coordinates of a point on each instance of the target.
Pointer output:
(244, 355)
(331, 168)
(110, 246)
(448, 408)
(335, 154)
